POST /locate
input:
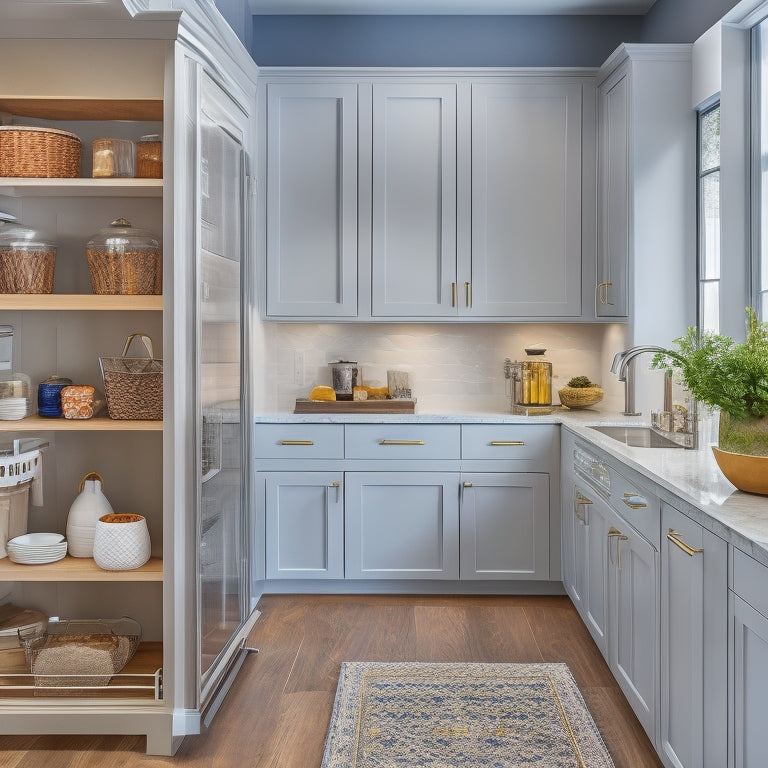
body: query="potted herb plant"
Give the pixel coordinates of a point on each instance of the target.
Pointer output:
(732, 377)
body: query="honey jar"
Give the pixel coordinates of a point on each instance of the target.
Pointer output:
(149, 157)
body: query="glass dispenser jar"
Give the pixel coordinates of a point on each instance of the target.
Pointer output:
(532, 380)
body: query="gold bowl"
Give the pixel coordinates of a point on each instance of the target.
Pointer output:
(747, 473)
(580, 397)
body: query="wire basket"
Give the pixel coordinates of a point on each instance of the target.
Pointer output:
(80, 653)
(38, 152)
(133, 385)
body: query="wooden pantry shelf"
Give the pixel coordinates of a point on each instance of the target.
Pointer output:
(137, 680)
(78, 569)
(80, 302)
(52, 108)
(38, 423)
(23, 187)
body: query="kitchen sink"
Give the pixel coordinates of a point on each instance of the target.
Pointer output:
(637, 437)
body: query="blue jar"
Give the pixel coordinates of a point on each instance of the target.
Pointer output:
(49, 396)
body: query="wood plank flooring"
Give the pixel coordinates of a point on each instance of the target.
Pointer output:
(277, 712)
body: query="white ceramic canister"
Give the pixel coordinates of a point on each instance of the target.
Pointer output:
(121, 542)
(86, 509)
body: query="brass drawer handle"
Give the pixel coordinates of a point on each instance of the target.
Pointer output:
(296, 442)
(633, 501)
(468, 294)
(672, 535)
(602, 292)
(507, 442)
(401, 442)
(616, 532)
(582, 499)
(453, 294)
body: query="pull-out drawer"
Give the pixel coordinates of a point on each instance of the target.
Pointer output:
(509, 442)
(749, 580)
(637, 506)
(299, 441)
(403, 441)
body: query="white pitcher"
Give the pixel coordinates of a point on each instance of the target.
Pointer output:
(86, 509)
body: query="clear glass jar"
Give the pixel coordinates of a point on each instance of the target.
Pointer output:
(113, 158)
(27, 260)
(123, 259)
(536, 375)
(149, 157)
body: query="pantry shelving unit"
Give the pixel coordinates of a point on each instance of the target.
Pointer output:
(129, 70)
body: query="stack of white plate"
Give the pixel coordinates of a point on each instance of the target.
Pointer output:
(12, 408)
(37, 548)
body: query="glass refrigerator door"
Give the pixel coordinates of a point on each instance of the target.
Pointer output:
(223, 599)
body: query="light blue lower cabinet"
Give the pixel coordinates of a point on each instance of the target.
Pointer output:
(694, 644)
(633, 611)
(304, 525)
(402, 525)
(748, 617)
(504, 530)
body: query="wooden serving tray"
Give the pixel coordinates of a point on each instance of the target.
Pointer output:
(355, 406)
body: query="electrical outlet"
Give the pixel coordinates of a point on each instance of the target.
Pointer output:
(298, 369)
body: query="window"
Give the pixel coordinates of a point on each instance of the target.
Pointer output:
(760, 262)
(709, 219)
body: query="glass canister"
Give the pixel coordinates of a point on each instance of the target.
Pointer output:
(536, 379)
(149, 157)
(27, 259)
(113, 158)
(123, 259)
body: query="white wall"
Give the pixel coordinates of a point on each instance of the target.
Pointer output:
(454, 367)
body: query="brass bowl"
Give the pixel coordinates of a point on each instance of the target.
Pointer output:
(580, 397)
(747, 473)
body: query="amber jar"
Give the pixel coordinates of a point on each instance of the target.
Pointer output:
(149, 157)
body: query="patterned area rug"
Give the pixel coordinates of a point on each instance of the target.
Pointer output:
(472, 715)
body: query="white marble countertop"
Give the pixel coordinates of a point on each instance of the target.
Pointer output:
(689, 479)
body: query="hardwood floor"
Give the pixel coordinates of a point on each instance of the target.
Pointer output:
(277, 712)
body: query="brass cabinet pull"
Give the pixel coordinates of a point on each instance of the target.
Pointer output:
(673, 535)
(401, 442)
(633, 501)
(297, 442)
(507, 442)
(453, 294)
(582, 499)
(619, 536)
(468, 294)
(467, 485)
(336, 484)
(602, 292)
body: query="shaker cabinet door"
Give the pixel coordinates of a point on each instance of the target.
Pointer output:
(414, 200)
(526, 200)
(311, 217)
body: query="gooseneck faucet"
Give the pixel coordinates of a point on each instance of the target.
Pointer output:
(624, 365)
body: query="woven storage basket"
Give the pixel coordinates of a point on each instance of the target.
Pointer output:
(38, 152)
(26, 271)
(133, 385)
(580, 397)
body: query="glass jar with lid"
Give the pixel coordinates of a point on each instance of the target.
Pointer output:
(123, 259)
(535, 385)
(27, 259)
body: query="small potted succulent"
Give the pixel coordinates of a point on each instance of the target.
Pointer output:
(580, 393)
(731, 377)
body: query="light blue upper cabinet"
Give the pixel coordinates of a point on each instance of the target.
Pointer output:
(526, 200)
(311, 205)
(414, 200)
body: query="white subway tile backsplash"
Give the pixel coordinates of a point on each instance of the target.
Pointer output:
(454, 368)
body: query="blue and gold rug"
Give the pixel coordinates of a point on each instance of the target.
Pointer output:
(404, 715)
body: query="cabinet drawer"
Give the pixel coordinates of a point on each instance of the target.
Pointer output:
(507, 441)
(403, 441)
(750, 581)
(637, 506)
(299, 441)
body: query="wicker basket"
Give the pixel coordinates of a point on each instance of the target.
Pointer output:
(38, 152)
(133, 385)
(580, 397)
(26, 271)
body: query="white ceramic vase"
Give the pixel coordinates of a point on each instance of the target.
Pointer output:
(121, 542)
(86, 509)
